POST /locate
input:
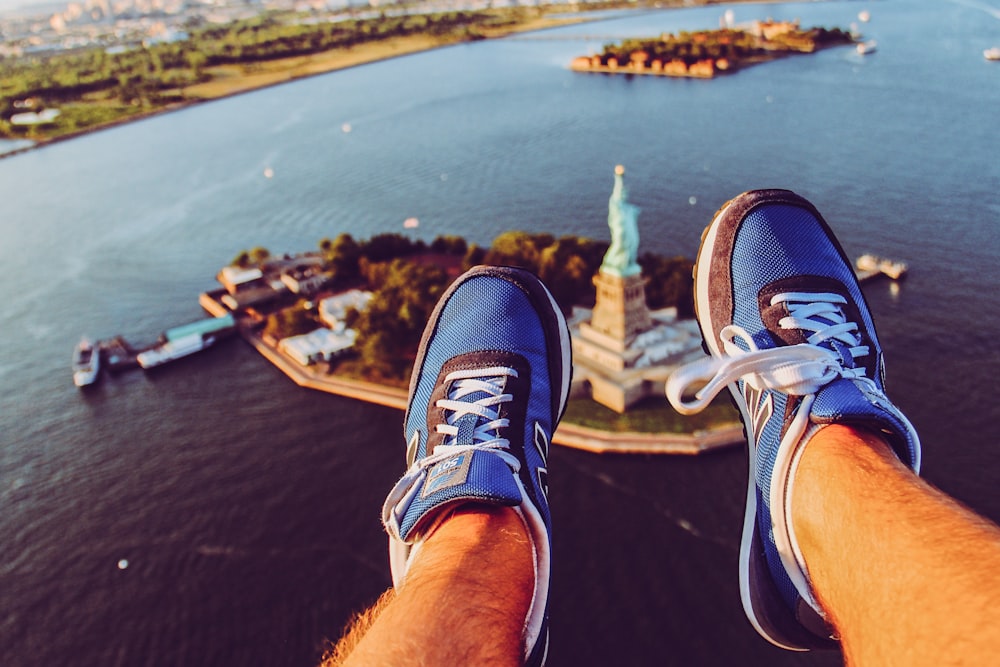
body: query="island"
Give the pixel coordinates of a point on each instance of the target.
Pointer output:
(67, 73)
(347, 319)
(53, 94)
(77, 82)
(706, 53)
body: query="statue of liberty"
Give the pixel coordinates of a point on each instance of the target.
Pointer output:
(620, 260)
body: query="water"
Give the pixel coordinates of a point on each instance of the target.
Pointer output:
(246, 508)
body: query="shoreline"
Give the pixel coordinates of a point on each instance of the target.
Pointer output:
(286, 70)
(295, 68)
(567, 434)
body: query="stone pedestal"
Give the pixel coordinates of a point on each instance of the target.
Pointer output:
(620, 311)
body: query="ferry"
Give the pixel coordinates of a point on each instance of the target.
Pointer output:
(992, 53)
(185, 340)
(86, 363)
(173, 349)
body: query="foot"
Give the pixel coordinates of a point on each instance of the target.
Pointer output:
(790, 334)
(489, 386)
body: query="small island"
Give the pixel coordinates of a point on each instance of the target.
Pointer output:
(706, 53)
(347, 319)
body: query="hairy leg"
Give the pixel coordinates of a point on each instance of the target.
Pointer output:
(356, 629)
(464, 600)
(907, 574)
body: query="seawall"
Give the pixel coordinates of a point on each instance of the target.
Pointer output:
(567, 435)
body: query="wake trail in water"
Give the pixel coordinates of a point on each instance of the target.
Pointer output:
(658, 507)
(981, 6)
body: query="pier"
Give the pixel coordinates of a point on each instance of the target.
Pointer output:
(870, 267)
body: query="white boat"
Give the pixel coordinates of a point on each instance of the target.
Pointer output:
(86, 363)
(864, 48)
(187, 339)
(992, 53)
(173, 349)
(864, 16)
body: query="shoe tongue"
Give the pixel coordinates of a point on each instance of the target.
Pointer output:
(771, 315)
(841, 350)
(466, 425)
(846, 401)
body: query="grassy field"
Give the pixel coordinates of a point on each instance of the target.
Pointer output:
(232, 79)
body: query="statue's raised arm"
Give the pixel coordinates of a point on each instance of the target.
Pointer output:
(620, 260)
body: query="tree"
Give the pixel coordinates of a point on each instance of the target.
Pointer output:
(259, 255)
(449, 245)
(669, 283)
(390, 327)
(341, 256)
(474, 256)
(383, 247)
(568, 266)
(518, 249)
(241, 260)
(293, 321)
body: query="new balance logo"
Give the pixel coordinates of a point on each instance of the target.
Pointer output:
(541, 441)
(761, 407)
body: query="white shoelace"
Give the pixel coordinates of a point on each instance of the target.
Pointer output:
(471, 423)
(798, 370)
(476, 422)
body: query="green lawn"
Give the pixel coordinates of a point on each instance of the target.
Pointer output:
(651, 415)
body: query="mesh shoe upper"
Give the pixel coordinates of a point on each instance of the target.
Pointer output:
(791, 336)
(488, 388)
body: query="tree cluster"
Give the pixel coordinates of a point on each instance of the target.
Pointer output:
(151, 76)
(731, 44)
(407, 281)
(294, 320)
(403, 296)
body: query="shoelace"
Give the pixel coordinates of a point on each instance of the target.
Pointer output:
(472, 403)
(472, 422)
(799, 370)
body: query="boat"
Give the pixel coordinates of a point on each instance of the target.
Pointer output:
(864, 48)
(173, 349)
(992, 53)
(864, 16)
(871, 265)
(185, 340)
(86, 363)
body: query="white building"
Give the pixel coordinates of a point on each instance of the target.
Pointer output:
(333, 309)
(319, 345)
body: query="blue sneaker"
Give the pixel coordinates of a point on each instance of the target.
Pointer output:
(488, 388)
(789, 333)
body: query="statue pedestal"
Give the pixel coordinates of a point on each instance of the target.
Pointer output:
(620, 311)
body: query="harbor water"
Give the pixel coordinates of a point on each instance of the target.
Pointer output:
(213, 513)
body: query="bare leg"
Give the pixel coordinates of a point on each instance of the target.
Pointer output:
(907, 575)
(464, 600)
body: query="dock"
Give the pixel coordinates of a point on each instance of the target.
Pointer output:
(870, 267)
(118, 355)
